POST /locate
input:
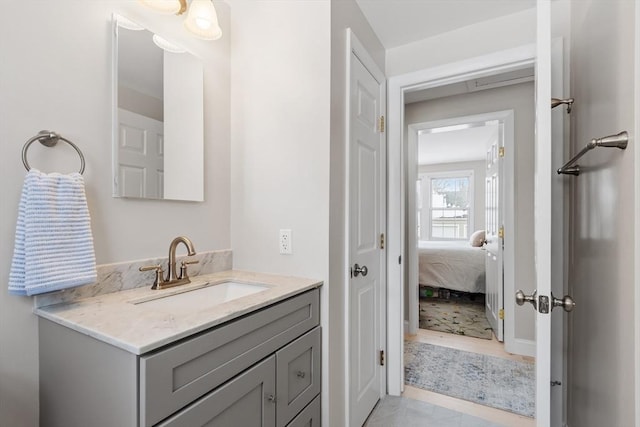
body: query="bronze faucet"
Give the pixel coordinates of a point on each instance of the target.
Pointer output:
(173, 279)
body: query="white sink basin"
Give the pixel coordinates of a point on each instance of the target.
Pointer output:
(205, 297)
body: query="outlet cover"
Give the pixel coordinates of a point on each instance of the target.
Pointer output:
(285, 242)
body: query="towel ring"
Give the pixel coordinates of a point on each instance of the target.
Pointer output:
(49, 139)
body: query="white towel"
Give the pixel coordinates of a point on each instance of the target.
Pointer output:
(53, 246)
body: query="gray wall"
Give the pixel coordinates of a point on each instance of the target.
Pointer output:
(479, 175)
(601, 362)
(56, 74)
(519, 98)
(344, 14)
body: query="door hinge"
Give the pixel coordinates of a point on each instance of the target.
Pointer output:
(381, 357)
(382, 241)
(501, 152)
(400, 259)
(381, 124)
(501, 314)
(501, 232)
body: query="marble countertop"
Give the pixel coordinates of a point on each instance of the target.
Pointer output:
(119, 319)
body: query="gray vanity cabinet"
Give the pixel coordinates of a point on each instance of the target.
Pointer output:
(262, 369)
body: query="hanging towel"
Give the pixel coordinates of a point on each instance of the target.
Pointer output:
(53, 246)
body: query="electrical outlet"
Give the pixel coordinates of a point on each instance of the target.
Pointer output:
(285, 242)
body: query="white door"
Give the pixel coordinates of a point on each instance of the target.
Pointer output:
(140, 156)
(548, 205)
(366, 204)
(494, 293)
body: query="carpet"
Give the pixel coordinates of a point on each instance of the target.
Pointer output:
(492, 381)
(460, 314)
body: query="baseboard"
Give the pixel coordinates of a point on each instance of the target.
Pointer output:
(521, 347)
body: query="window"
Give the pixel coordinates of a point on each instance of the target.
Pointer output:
(449, 205)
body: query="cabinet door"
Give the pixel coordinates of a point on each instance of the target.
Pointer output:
(246, 401)
(309, 417)
(298, 375)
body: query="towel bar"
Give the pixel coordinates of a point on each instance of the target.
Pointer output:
(49, 139)
(619, 140)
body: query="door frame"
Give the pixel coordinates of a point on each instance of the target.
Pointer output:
(482, 66)
(636, 126)
(356, 48)
(507, 204)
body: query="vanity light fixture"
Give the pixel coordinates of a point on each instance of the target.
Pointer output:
(201, 20)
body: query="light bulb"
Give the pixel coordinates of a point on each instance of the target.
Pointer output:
(202, 20)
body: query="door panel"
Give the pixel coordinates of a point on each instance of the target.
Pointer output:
(365, 227)
(140, 156)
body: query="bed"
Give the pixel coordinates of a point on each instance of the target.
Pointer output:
(454, 265)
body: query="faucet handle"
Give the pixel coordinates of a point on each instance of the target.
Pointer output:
(159, 278)
(183, 268)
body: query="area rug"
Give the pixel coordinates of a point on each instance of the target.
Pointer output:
(491, 381)
(460, 314)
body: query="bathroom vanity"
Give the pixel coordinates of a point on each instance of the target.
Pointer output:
(122, 359)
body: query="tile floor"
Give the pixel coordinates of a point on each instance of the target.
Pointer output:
(403, 412)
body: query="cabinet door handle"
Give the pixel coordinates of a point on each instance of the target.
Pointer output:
(300, 374)
(271, 398)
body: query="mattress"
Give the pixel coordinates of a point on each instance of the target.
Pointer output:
(452, 265)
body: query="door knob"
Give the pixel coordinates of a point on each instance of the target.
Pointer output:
(360, 270)
(521, 298)
(566, 302)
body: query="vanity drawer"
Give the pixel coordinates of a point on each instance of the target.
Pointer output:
(174, 377)
(309, 417)
(242, 402)
(297, 375)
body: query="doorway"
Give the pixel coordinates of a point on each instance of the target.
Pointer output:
(460, 184)
(548, 192)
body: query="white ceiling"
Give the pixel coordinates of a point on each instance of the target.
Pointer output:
(398, 22)
(463, 145)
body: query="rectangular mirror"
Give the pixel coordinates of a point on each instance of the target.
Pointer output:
(157, 117)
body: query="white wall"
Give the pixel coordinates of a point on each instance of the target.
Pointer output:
(344, 14)
(280, 79)
(280, 134)
(601, 276)
(520, 98)
(56, 74)
(479, 175)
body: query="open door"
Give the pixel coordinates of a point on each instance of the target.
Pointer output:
(366, 224)
(549, 218)
(494, 233)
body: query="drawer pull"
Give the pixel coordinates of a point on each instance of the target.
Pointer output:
(271, 398)
(300, 374)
